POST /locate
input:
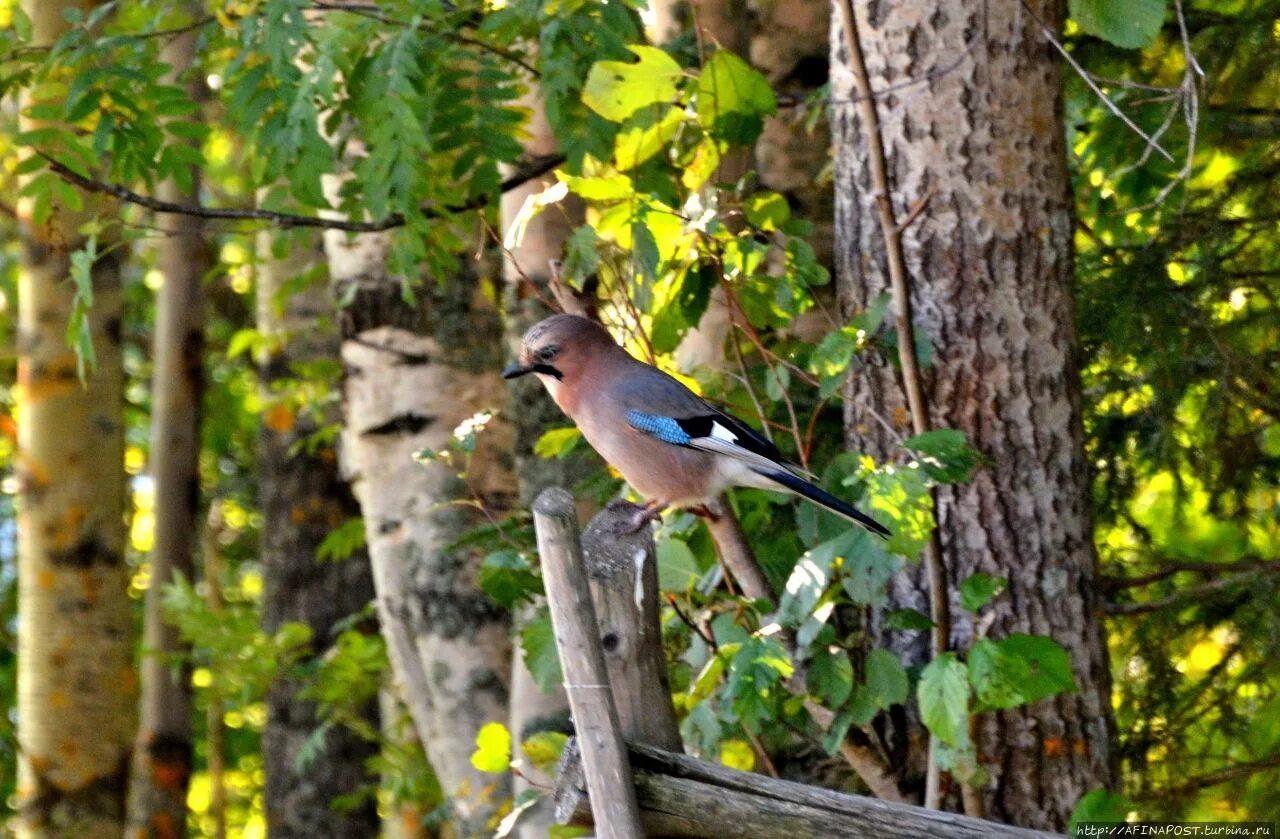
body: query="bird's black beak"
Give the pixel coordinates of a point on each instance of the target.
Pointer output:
(515, 370)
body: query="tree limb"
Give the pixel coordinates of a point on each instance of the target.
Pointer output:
(532, 169)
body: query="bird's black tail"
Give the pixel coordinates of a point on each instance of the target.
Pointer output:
(823, 498)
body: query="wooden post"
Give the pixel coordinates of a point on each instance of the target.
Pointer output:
(623, 571)
(595, 718)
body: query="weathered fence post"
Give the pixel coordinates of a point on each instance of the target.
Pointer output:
(623, 572)
(604, 754)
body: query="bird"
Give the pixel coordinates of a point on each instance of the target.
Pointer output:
(669, 444)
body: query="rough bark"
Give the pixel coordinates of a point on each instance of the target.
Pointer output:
(413, 373)
(77, 685)
(162, 754)
(304, 497)
(976, 126)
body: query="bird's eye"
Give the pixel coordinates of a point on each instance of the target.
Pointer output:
(546, 354)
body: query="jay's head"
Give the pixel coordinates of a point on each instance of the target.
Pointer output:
(558, 348)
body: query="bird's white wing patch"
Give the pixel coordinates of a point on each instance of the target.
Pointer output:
(719, 432)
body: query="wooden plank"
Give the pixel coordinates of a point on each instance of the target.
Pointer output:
(623, 571)
(681, 796)
(604, 757)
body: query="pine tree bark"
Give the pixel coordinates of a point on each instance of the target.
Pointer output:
(77, 685)
(413, 373)
(304, 498)
(974, 125)
(162, 755)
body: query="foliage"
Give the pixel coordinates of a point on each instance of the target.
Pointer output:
(415, 106)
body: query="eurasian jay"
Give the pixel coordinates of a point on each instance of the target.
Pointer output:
(671, 446)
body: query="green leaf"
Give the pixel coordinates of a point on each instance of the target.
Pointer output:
(644, 134)
(614, 187)
(943, 694)
(1132, 24)
(867, 569)
(830, 676)
(615, 89)
(1018, 670)
(766, 210)
(677, 568)
(645, 249)
(733, 99)
(980, 589)
(581, 259)
(538, 642)
(885, 685)
(907, 619)
(1099, 805)
(808, 580)
(508, 578)
(835, 735)
(342, 541)
(544, 749)
(557, 443)
(755, 680)
(679, 300)
(946, 456)
(493, 749)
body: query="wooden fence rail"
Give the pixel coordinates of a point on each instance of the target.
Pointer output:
(624, 772)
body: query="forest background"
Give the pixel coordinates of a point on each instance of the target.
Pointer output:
(1004, 273)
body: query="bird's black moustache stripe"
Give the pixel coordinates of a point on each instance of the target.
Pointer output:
(548, 370)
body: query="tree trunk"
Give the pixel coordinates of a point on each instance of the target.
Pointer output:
(414, 372)
(304, 498)
(162, 754)
(76, 678)
(975, 126)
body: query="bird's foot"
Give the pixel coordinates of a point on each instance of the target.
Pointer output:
(639, 516)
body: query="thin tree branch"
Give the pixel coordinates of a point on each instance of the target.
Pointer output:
(1171, 567)
(534, 169)
(939, 602)
(1221, 776)
(1093, 85)
(1185, 595)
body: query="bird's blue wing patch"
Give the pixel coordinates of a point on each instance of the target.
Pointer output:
(665, 429)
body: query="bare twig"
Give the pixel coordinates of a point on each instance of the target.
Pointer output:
(1221, 776)
(1093, 85)
(533, 169)
(1168, 569)
(1186, 595)
(939, 603)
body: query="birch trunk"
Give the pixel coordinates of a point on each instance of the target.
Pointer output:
(304, 498)
(162, 755)
(975, 125)
(77, 685)
(413, 373)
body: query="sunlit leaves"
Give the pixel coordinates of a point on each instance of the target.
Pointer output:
(557, 443)
(617, 89)
(733, 99)
(493, 748)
